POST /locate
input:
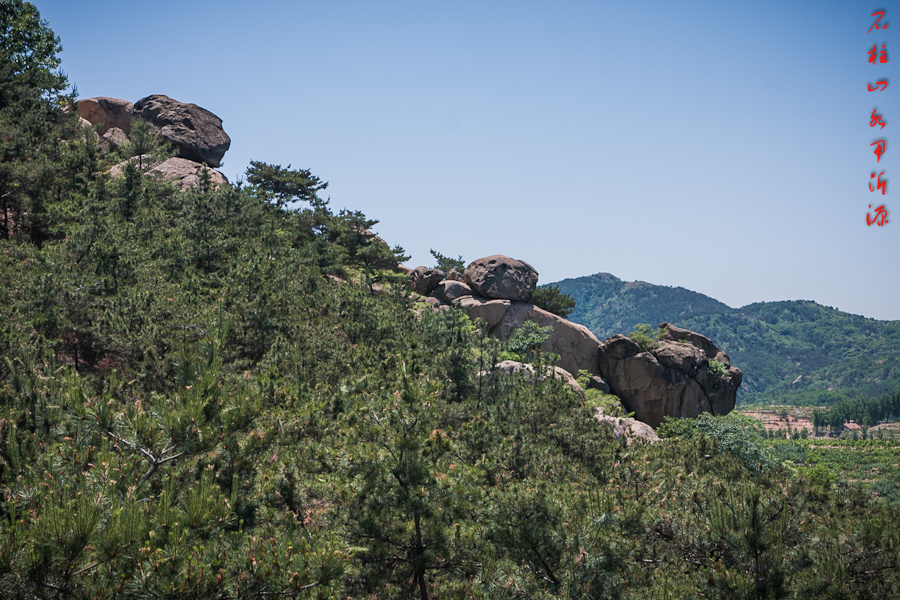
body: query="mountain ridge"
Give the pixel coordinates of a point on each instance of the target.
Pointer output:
(794, 351)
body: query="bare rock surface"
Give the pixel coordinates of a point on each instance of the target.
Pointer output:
(184, 173)
(106, 112)
(194, 131)
(575, 344)
(500, 276)
(491, 311)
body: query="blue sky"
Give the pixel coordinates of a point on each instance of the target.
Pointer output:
(718, 146)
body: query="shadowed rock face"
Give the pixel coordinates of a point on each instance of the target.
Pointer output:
(674, 379)
(423, 280)
(194, 131)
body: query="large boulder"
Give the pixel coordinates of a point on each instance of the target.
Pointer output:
(184, 173)
(194, 131)
(631, 429)
(106, 112)
(673, 379)
(448, 290)
(423, 280)
(112, 140)
(455, 275)
(574, 343)
(502, 277)
(490, 311)
(510, 367)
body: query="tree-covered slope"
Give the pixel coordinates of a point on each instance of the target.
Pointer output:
(802, 352)
(607, 305)
(796, 352)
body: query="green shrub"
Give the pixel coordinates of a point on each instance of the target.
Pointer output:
(718, 369)
(553, 300)
(644, 336)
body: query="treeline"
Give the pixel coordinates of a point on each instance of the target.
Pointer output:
(863, 411)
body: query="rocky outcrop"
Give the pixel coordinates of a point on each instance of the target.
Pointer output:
(575, 344)
(673, 379)
(112, 140)
(510, 367)
(182, 172)
(448, 290)
(424, 280)
(500, 276)
(683, 375)
(455, 275)
(186, 173)
(194, 131)
(493, 291)
(106, 112)
(490, 311)
(631, 429)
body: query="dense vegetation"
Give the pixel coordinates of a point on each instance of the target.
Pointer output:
(861, 410)
(218, 394)
(796, 352)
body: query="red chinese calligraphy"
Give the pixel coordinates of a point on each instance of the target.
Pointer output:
(880, 14)
(876, 120)
(879, 149)
(881, 184)
(883, 85)
(880, 216)
(873, 55)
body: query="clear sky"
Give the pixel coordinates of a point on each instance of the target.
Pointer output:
(721, 146)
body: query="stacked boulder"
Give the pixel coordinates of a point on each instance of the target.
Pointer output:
(497, 289)
(683, 375)
(195, 132)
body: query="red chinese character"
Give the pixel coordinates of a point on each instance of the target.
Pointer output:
(879, 150)
(883, 85)
(876, 120)
(874, 51)
(880, 213)
(881, 183)
(880, 14)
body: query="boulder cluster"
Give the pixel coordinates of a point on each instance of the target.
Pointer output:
(682, 375)
(497, 289)
(194, 132)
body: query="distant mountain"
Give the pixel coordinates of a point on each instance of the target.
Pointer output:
(607, 305)
(797, 352)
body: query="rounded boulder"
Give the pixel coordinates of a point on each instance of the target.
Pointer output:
(503, 277)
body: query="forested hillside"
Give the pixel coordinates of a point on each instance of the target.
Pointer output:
(216, 393)
(607, 305)
(796, 352)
